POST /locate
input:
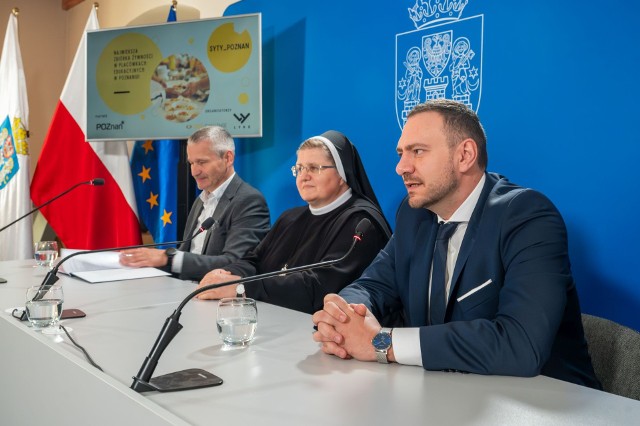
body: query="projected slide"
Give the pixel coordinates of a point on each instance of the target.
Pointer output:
(166, 81)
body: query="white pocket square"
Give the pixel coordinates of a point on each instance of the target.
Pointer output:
(470, 292)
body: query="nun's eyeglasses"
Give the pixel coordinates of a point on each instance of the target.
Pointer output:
(313, 169)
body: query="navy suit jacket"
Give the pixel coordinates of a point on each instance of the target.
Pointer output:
(242, 221)
(526, 322)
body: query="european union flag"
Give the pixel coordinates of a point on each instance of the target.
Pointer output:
(154, 166)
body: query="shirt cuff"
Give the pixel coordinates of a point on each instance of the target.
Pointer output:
(406, 346)
(176, 265)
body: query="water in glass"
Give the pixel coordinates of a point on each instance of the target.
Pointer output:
(237, 320)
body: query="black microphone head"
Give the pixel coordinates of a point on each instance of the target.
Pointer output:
(362, 227)
(208, 223)
(97, 182)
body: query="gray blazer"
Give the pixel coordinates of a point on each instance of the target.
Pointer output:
(242, 220)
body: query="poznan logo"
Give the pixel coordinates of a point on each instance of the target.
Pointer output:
(440, 58)
(110, 126)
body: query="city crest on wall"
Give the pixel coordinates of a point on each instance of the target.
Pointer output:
(440, 58)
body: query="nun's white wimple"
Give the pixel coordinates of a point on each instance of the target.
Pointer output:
(334, 154)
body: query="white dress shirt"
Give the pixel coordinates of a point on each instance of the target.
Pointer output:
(406, 341)
(209, 203)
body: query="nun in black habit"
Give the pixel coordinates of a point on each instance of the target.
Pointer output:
(331, 178)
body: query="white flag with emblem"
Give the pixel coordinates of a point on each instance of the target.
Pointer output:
(16, 242)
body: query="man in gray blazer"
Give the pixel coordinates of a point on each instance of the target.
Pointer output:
(240, 211)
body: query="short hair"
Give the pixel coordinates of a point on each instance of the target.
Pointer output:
(220, 140)
(314, 142)
(460, 122)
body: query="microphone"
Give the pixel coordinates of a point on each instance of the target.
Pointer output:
(92, 182)
(52, 276)
(196, 378)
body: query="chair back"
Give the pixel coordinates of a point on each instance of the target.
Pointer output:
(615, 355)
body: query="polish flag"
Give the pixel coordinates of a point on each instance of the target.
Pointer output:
(89, 217)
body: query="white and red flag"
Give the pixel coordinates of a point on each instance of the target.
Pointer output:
(16, 241)
(89, 217)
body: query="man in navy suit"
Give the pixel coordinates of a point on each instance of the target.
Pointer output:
(506, 302)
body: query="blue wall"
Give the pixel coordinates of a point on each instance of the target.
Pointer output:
(558, 101)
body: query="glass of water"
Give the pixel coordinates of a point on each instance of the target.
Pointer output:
(44, 307)
(237, 320)
(46, 253)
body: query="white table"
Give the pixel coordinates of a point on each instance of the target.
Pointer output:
(281, 378)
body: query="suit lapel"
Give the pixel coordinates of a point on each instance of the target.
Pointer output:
(223, 204)
(220, 210)
(470, 237)
(419, 272)
(192, 221)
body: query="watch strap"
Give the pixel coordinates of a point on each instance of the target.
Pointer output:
(170, 252)
(381, 357)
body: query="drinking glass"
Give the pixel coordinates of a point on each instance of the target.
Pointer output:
(46, 253)
(237, 320)
(44, 307)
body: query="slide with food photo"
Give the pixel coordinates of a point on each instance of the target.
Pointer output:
(166, 81)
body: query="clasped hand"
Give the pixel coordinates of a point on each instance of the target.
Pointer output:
(345, 330)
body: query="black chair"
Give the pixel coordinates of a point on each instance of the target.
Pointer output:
(615, 354)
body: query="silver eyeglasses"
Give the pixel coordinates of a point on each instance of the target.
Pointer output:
(313, 169)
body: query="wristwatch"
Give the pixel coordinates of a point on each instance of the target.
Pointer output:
(382, 343)
(170, 252)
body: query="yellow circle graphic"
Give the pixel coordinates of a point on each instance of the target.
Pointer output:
(124, 70)
(243, 98)
(229, 51)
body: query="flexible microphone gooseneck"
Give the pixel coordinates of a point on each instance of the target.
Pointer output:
(92, 182)
(52, 276)
(197, 378)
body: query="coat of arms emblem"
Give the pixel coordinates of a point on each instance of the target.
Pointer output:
(9, 163)
(441, 58)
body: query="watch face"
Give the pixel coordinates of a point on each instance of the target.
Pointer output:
(381, 341)
(171, 251)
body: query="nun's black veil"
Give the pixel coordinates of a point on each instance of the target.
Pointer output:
(356, 175)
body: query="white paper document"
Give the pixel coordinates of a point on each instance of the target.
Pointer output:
(103, 267)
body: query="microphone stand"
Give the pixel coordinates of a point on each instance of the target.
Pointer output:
(197, 378)
(52, 276)
(93, 182)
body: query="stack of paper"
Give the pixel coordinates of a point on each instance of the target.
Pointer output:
(103, 267)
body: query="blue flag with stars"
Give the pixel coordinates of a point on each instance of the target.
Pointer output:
(154, 167)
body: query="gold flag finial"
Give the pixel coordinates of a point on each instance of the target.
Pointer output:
(174, 5)
(15, 11)
(96, 5)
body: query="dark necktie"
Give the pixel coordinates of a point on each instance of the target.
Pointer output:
(437, 301)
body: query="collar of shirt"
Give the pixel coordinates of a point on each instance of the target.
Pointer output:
(343, 198)
(208, 197)
(464, 212)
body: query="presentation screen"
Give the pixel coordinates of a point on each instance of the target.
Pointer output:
(166, 81)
